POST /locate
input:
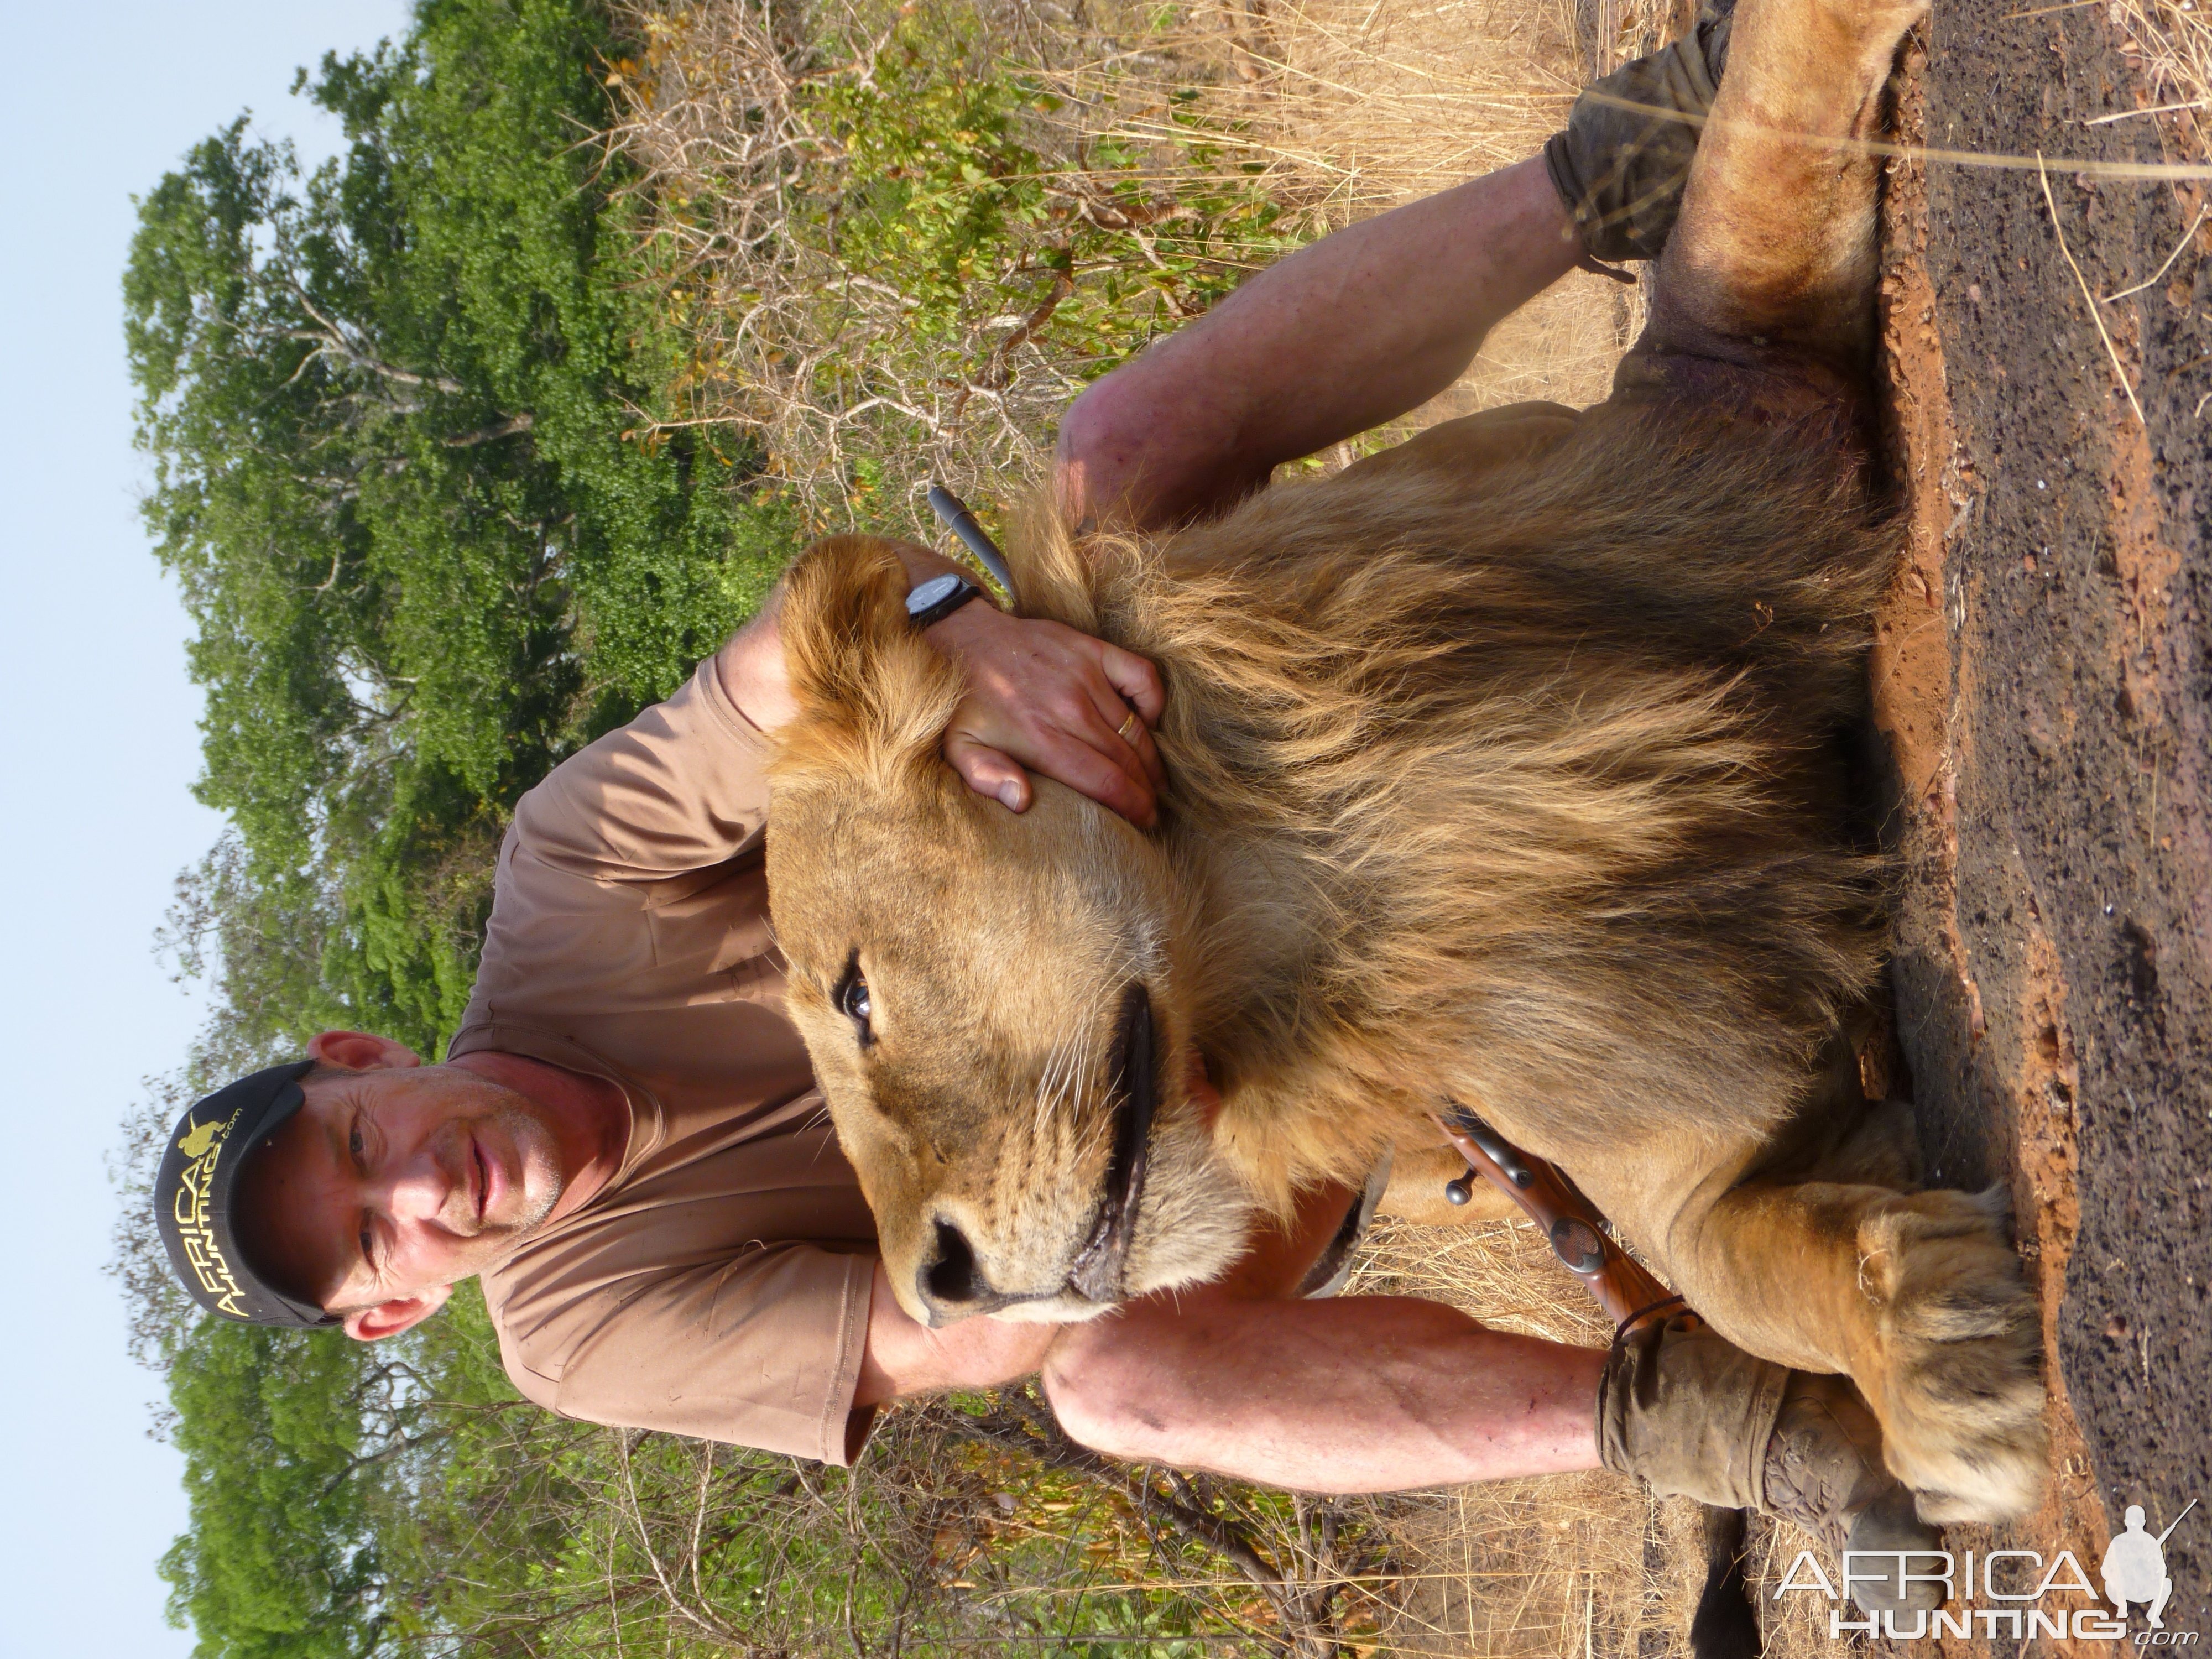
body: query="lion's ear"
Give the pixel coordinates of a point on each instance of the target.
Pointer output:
(866, 687)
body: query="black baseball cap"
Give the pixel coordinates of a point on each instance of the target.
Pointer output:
(192, 1197)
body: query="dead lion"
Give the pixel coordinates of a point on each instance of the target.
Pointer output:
(1504, 770)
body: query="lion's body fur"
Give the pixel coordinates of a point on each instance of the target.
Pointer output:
(1516, 787)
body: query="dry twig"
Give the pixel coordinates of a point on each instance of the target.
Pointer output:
(2088, 297)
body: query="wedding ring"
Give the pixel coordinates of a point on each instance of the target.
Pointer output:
(1127, 730)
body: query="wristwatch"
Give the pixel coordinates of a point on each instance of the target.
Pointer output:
(932, 601)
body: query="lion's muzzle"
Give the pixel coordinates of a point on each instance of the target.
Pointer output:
(953, 1283)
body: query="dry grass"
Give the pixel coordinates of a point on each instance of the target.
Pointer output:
(733, 159)
(1556, 1564)
(861, 382)
(1328, 110)
(1365, 105)
(1550, 1566)
(2171, 41)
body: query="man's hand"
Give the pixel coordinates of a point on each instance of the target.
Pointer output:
(1044, 697)
(1040, 695)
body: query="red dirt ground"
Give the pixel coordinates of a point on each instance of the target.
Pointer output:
(2044, 699)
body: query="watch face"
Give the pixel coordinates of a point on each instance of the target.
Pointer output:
(936, 588)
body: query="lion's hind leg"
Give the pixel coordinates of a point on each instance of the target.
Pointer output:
(1766, 291)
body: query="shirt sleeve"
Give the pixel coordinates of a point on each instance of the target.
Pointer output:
(682, 787)
(763, 1350)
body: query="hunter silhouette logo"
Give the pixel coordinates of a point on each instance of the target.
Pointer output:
(201, 1143)
(2134, 1567)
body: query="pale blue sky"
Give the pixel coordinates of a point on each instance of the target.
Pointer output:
(100, 749)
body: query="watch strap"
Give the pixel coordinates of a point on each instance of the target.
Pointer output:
(938, 609)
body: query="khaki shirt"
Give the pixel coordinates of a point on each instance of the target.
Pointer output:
(718, 1285)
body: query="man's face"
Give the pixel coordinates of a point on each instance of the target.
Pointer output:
(390, 1185)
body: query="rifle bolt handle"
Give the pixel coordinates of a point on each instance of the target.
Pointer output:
(1577, 1245)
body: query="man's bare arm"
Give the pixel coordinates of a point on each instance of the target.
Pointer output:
(1342, 336)
(904, 1357)
(1229, 1377)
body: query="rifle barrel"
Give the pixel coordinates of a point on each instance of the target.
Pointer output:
(2177, 1521)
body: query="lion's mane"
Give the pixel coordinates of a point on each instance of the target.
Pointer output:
(1520, 783)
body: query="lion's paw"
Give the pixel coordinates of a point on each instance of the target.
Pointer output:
(1957, 1387)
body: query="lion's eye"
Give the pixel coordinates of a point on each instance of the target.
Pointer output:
(852, 1000)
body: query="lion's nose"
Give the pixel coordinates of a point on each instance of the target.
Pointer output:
(952, 1283)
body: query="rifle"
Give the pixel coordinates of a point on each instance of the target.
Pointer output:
(2177, 1519)
(1723, 1625)
(1628, 1291)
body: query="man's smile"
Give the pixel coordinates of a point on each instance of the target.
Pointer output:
(480, 1172)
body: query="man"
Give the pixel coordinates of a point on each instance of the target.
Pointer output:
(2134, 1568)
(624, 1142)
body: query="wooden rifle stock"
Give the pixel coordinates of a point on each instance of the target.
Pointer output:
(1624, 1286)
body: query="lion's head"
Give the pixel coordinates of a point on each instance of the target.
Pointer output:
(991, 1001)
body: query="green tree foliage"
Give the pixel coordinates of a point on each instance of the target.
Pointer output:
(387, 407)
(280, 1559)
(344, 1499)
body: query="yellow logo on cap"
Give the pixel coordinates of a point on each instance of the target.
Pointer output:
(200, 1144)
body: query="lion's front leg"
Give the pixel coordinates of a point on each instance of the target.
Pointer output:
(1918, 1296)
